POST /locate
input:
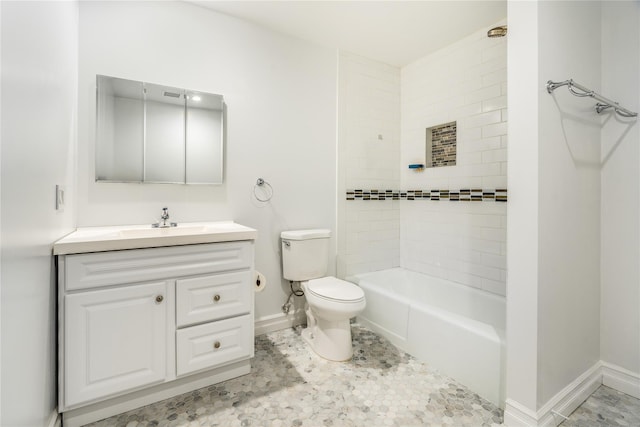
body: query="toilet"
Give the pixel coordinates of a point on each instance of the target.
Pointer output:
(331, 302)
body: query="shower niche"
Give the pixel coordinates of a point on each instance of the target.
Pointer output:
(149, 133)
(441, 145)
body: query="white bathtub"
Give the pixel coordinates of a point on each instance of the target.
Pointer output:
(456, 329)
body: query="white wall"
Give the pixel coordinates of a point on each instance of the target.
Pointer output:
(464, 242)
(573, 287)
(523, 224)
(569, 197)
(369, 155)
(620, 211)
(281, 100)
(39, 81)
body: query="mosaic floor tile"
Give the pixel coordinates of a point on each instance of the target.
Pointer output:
(289, 385)
(606, 407)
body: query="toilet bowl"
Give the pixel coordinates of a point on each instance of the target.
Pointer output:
(331, 303)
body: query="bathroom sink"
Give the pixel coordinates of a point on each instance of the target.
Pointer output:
(165, 231)
(99, 239)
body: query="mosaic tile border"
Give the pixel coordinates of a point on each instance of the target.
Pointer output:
(463, 195)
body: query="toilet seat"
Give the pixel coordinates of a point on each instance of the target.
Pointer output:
(336, 290)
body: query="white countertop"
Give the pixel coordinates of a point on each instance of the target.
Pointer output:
(118, 237)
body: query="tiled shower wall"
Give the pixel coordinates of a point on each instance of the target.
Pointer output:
(368, 157)
(383, 116)
(461, 241)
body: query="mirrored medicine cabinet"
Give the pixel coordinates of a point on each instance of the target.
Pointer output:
(148, 133)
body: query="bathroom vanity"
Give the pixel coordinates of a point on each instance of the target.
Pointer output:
(145, 314)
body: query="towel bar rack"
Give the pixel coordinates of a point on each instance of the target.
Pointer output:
(584, 92)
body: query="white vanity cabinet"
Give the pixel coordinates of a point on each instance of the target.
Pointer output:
(140, 325)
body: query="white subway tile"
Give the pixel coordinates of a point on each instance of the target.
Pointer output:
(496, 129)
(469, 134)
(466, 255)
(488, 246)
(494, 182)
(479, 145)
(392, 214)
(465, 279)
(494, 260)
(351, 215)
(493, 221)
(485, 169)
(390, 236)
(483, 94)
(384, 224)
(369, 215)
(498, 52)
(498, 287)
(491, 156)
(492, 104)
(487, 67)
(360, 226)
(495, 77)
(459, 182)
(468, 110)
(482, 119)
(468, 158)
(498, 235)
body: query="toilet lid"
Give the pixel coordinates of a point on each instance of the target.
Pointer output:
(335, 289)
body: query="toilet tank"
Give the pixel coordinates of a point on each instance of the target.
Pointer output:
(305, 254)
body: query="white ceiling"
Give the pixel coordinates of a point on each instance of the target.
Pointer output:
(393, 32)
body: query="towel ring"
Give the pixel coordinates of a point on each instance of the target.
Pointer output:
(261, 183)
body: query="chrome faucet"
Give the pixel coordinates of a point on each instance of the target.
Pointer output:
(165, 218)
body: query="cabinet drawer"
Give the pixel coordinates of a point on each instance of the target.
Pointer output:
(202, 299)
(212, 344)
(91, 270)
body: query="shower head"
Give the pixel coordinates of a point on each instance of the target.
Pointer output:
(497, 32)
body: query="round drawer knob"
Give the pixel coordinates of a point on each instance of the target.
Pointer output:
(216, 298)
(159, 299)
(216, 344)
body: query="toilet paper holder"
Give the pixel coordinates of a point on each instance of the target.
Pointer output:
(260, 281)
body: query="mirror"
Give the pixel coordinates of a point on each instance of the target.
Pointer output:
(158, 134)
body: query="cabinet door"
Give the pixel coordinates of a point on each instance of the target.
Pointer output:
(115, 340)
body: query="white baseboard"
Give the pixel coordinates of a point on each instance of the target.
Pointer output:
(516, 414)
(573, 395)
(55, 420)
(277, 322)
(559, 406)
(621, 379)
(570, 397)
